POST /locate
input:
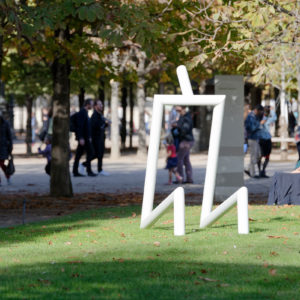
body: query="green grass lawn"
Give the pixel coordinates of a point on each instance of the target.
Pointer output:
(102, 254)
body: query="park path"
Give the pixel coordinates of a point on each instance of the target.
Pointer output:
(127, 175)
(124, 186)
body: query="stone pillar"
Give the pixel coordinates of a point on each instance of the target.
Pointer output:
(230, 174)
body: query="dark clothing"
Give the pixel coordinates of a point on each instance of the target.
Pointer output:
(83, 126)
(185, 125)
(5, 140)
(98, 125)
(172, 163)
(83, 131)
(252, 126)
(285, 189)
(3, 167)
(265, 147)
(298, 149)
(176, 137)
(184, 160)
(48, 168)
(87, 147)
(46, 152)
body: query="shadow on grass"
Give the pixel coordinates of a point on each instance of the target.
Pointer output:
(32, 231)
(148, 279)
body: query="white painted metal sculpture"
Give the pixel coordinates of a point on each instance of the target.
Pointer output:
(150, 216)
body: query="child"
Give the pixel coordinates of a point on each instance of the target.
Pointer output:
(172, 160)
(47, 153)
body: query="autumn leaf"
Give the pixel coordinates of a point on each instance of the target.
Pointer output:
(154, 274)
(192, 273)
(133, 215)
(273, 253)
(272, 272)
(265, 264)
(156, 244)
(50, 243)
(68, 243)
(44, 281)
(168, 222)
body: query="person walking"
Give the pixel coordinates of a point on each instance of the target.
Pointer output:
(185, 127)
(265, 141)
(98, 125)
(83, 136)
(252, 125)
(6, 145)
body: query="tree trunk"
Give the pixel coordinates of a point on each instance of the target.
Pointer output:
(283, 117)
(142, 147)
(28, 138)
(1, 55)
(298, 84)
(81, 97)
(131, 104)
(101, 90)
(115, 134)
(60, 174)
(123, 121)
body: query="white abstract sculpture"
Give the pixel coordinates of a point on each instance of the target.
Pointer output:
(150, 216)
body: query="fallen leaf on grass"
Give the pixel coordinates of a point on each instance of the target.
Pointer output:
(157, 244)
(207, 279)
(277, 237)
(265, 264)
(251, 220)
(192, 273)
(168, 222)
(223, 285)
(133, 215)
(44, 281)
(122, 234)
(50, 243)
(272, 272)
(273, 253)
(118, 259)
(203, 271)
(154, 274)
(296, 233)
(68, 243)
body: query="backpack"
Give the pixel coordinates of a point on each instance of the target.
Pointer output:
(73, 122)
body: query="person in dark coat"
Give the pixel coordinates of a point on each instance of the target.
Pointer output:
(98, 125)
(83, 136)
(6, 145)
(185, 126)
